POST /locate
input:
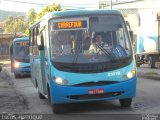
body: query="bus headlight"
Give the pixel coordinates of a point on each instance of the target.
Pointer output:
(60, 81)
(129, 75)
(16, 65)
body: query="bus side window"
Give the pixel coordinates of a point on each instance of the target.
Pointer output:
(33, 41)
(111, 39)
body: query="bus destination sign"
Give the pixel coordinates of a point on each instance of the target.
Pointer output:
(70, 24)
(22, 43)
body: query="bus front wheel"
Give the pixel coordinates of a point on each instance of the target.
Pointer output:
(151, 62)
(56, 108)
(125, 102)
(17, 75)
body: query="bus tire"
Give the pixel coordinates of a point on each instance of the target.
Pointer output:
(58, 109)
(151, 62)
(49, 95)
(41, 96)
(125, 102)
(17, 75)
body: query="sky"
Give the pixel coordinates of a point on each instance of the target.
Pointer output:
(9, 5)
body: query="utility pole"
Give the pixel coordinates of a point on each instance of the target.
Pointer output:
(111, 3)
(105, 4)
(63, 4)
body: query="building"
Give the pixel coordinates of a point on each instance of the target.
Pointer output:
(5, 42)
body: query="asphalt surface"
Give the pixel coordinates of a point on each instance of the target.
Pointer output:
(146, 72)
(10, 99)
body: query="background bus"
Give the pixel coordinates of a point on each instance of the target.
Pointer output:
(65, 71)
(20, 64)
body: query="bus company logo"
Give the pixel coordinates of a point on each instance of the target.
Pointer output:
(149, 117)
(116, 73)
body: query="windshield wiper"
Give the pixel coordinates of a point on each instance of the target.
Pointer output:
(106, 52)
(77, 53)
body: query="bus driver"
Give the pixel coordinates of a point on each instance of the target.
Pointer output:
(98, 42)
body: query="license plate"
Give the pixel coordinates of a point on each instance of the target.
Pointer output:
(96, 91)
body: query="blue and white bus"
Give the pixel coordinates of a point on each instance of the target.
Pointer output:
(65, 71)
(20, 64)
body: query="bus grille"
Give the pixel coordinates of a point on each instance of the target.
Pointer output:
(99, 83)
(95, 96)
(27, 67)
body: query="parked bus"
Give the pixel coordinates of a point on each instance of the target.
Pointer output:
(20, 64)
(65, 70)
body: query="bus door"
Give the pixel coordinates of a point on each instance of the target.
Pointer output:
(43, 61)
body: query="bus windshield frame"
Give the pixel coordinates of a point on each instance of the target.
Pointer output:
(70, 42)
(21, 51)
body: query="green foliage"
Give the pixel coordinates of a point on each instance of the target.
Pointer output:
(9, 24)
(31, 16)
(49, 8)
(27, 32)
(13, 25)
(19, 24)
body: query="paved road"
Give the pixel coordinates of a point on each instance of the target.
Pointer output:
(146, 102)
(146, 69)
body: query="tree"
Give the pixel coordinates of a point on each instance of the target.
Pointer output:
(9, 24)
(33, 16)
(20, 24)
(49, 8)
(13, 25)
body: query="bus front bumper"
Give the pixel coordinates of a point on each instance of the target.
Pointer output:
(70, 94)
(21, 71)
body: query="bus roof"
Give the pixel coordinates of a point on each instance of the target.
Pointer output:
(82, 12)
(21, 39)
(69, 13)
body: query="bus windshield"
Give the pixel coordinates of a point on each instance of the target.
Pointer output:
(75, 40)
(21, 51)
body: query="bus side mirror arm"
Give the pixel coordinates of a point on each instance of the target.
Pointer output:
(40, 41)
